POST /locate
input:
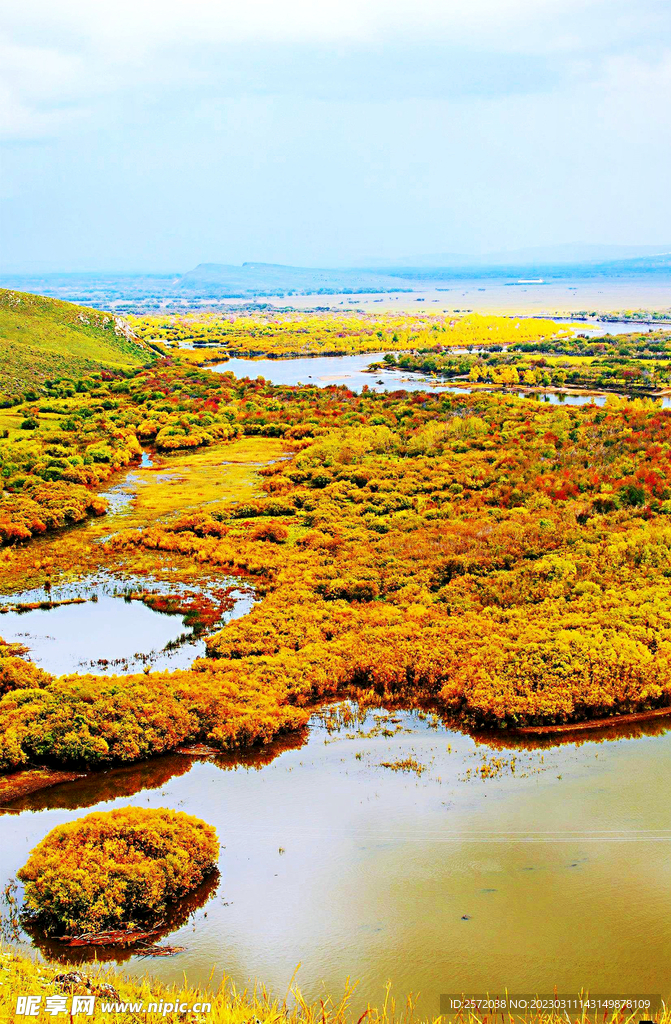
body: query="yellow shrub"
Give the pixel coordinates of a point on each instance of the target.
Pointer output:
(115, 869)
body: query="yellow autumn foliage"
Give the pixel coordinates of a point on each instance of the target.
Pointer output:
(116, 869)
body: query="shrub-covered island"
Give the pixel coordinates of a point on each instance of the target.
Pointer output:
(116, 869)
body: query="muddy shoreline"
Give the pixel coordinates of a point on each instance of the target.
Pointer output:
(594, 723)
(32, 780)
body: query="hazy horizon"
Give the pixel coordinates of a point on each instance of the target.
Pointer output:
(551, 256)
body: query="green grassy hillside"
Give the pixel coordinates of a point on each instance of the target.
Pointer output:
(42, 339)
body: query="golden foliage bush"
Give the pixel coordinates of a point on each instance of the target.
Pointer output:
(45, 507)
(337, 333)
(96, 721)
(15, 672)
(116, 869)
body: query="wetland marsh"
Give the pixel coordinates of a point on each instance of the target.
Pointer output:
(315, 618)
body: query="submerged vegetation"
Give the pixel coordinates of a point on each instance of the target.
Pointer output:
(116, 869)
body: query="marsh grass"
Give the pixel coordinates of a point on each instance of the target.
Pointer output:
(203, 479)
(20, 975)
(206, 478)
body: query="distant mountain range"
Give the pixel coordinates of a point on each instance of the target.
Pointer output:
(209, 282)
(221, 280)
(272, 278)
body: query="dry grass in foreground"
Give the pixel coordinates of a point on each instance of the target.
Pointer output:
(21, 976)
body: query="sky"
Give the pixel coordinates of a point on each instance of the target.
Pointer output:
(153, 135)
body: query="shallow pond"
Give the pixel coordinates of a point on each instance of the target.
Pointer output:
(324, 371)
(391, 848)
(352, 372)
(100, 623)
(106, 632)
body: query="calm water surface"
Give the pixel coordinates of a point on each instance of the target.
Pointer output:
(108, 633)
(555, 873)
(351, 371)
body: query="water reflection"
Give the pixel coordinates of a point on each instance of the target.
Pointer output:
(510, 740)
(96, 625)
(386, 845)
(97, 787)
(94, 787)
(178, 916)
(352, 372)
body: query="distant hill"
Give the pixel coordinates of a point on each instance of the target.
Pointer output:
(656, 266)
(221, 280)
(42, 338)
(216, 282)
(227, 280)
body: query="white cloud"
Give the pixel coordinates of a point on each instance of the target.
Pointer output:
(63, 62)
(346, 124)
(130, 27)
(36, 85)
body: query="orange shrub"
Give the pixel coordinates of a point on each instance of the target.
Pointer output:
(89, 720)
(116, 869)
(274, 532)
